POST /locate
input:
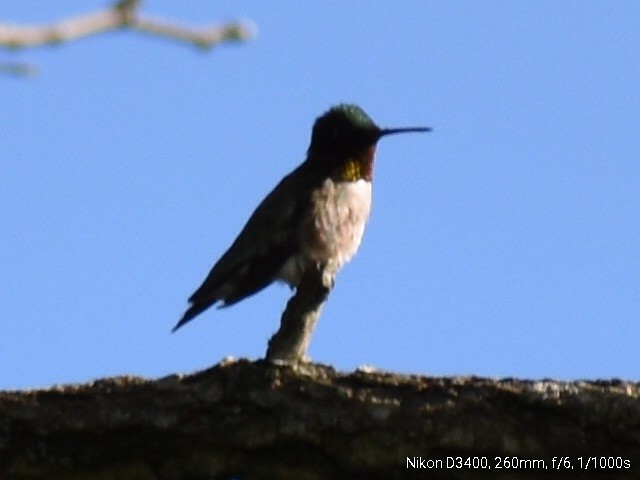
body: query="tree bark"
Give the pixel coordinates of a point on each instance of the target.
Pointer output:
(243, 420)
(291, 341)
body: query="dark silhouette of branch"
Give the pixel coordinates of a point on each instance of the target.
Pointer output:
(122, 15)
(254, 421)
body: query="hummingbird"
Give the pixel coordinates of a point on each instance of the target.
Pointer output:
(315, 216)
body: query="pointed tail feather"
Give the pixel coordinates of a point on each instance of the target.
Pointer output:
(192, 312)
(243, 280)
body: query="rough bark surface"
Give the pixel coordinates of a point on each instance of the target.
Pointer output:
(244, 420)
(300, 316)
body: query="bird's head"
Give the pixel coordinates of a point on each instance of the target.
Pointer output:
(346, 130)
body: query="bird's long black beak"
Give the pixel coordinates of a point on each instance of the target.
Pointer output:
(393, 131)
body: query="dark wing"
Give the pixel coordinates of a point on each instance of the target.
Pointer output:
(259, 251)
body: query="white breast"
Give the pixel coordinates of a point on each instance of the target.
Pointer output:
(341, 210)
(331, 232)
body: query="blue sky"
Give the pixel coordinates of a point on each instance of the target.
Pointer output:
(505, 243)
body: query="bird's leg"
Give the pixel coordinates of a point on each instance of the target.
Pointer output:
(299, 318)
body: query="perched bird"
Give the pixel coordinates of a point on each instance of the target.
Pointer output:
(314, 216)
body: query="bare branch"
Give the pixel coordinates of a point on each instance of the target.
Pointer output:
(262, 421)
(299, 318)
(18, 69)
(124, 14)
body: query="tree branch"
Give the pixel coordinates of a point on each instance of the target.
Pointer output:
(261, 421)
(300, 316)
(18, 69)
(124, 14)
